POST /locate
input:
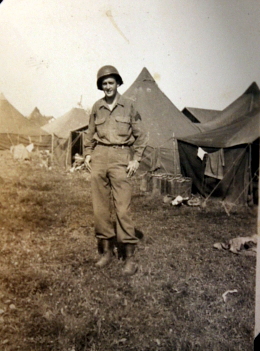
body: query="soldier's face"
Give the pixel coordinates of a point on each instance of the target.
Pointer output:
(109, 87)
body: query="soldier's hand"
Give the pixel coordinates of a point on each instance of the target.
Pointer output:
(87, 162)
(132, 168)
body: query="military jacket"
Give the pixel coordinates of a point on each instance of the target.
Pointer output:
(120, 126)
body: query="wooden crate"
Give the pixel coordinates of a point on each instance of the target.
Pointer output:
(140, 184)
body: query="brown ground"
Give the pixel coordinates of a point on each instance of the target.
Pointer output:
(53, 298)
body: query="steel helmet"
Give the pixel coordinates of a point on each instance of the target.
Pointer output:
(108, 71)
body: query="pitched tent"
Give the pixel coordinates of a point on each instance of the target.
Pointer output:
(161, 120)
(16, 129)
(37, 118)
(238, 108)
(200, 115)
(232, 143)
(67, 136)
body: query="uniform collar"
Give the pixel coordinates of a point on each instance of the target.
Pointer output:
(120, 101)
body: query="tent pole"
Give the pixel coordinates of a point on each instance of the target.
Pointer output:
(69, 152)
(176, 156)
(250, 176)
(52, 148)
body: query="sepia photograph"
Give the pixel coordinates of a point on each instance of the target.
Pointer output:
(129, 178)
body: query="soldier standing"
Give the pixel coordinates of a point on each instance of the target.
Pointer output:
(115, 130)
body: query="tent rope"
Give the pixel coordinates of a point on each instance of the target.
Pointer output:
(245, 187)
(231, 168)
(75, 140)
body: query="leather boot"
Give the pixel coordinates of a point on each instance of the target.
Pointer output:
(107, 253)
(130, 267)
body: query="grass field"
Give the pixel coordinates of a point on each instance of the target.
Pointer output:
(53, 298)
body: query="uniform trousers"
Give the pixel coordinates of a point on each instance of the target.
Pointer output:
(109, 178)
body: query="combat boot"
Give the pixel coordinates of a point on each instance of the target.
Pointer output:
(130, 267)
(106, 253)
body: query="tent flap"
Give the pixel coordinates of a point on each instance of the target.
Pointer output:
(234, 187)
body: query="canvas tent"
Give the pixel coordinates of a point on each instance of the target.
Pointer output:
(200, 115)
(161, 120)
(16, 129)
(232, 145)
(160, 117)
(37, 118)
(238, 108)
(67, 135)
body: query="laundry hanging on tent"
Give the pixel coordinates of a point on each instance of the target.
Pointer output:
(201, 153)
(214, 164)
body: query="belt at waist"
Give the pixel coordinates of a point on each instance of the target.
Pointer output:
(116, 146)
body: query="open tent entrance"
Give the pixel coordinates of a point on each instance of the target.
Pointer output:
(237, 180)
(67, 135)
(230, 168)
(77, 143)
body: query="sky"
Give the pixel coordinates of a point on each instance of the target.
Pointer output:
(201, 53)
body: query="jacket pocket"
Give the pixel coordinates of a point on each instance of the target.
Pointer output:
(99, 120)
(100, 126)
(123, 125)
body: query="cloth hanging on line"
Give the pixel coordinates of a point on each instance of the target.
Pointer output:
(214, 164)
(201, 153)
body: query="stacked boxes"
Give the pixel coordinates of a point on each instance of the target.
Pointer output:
(168, 184)
(179, 186)
(162, 183)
